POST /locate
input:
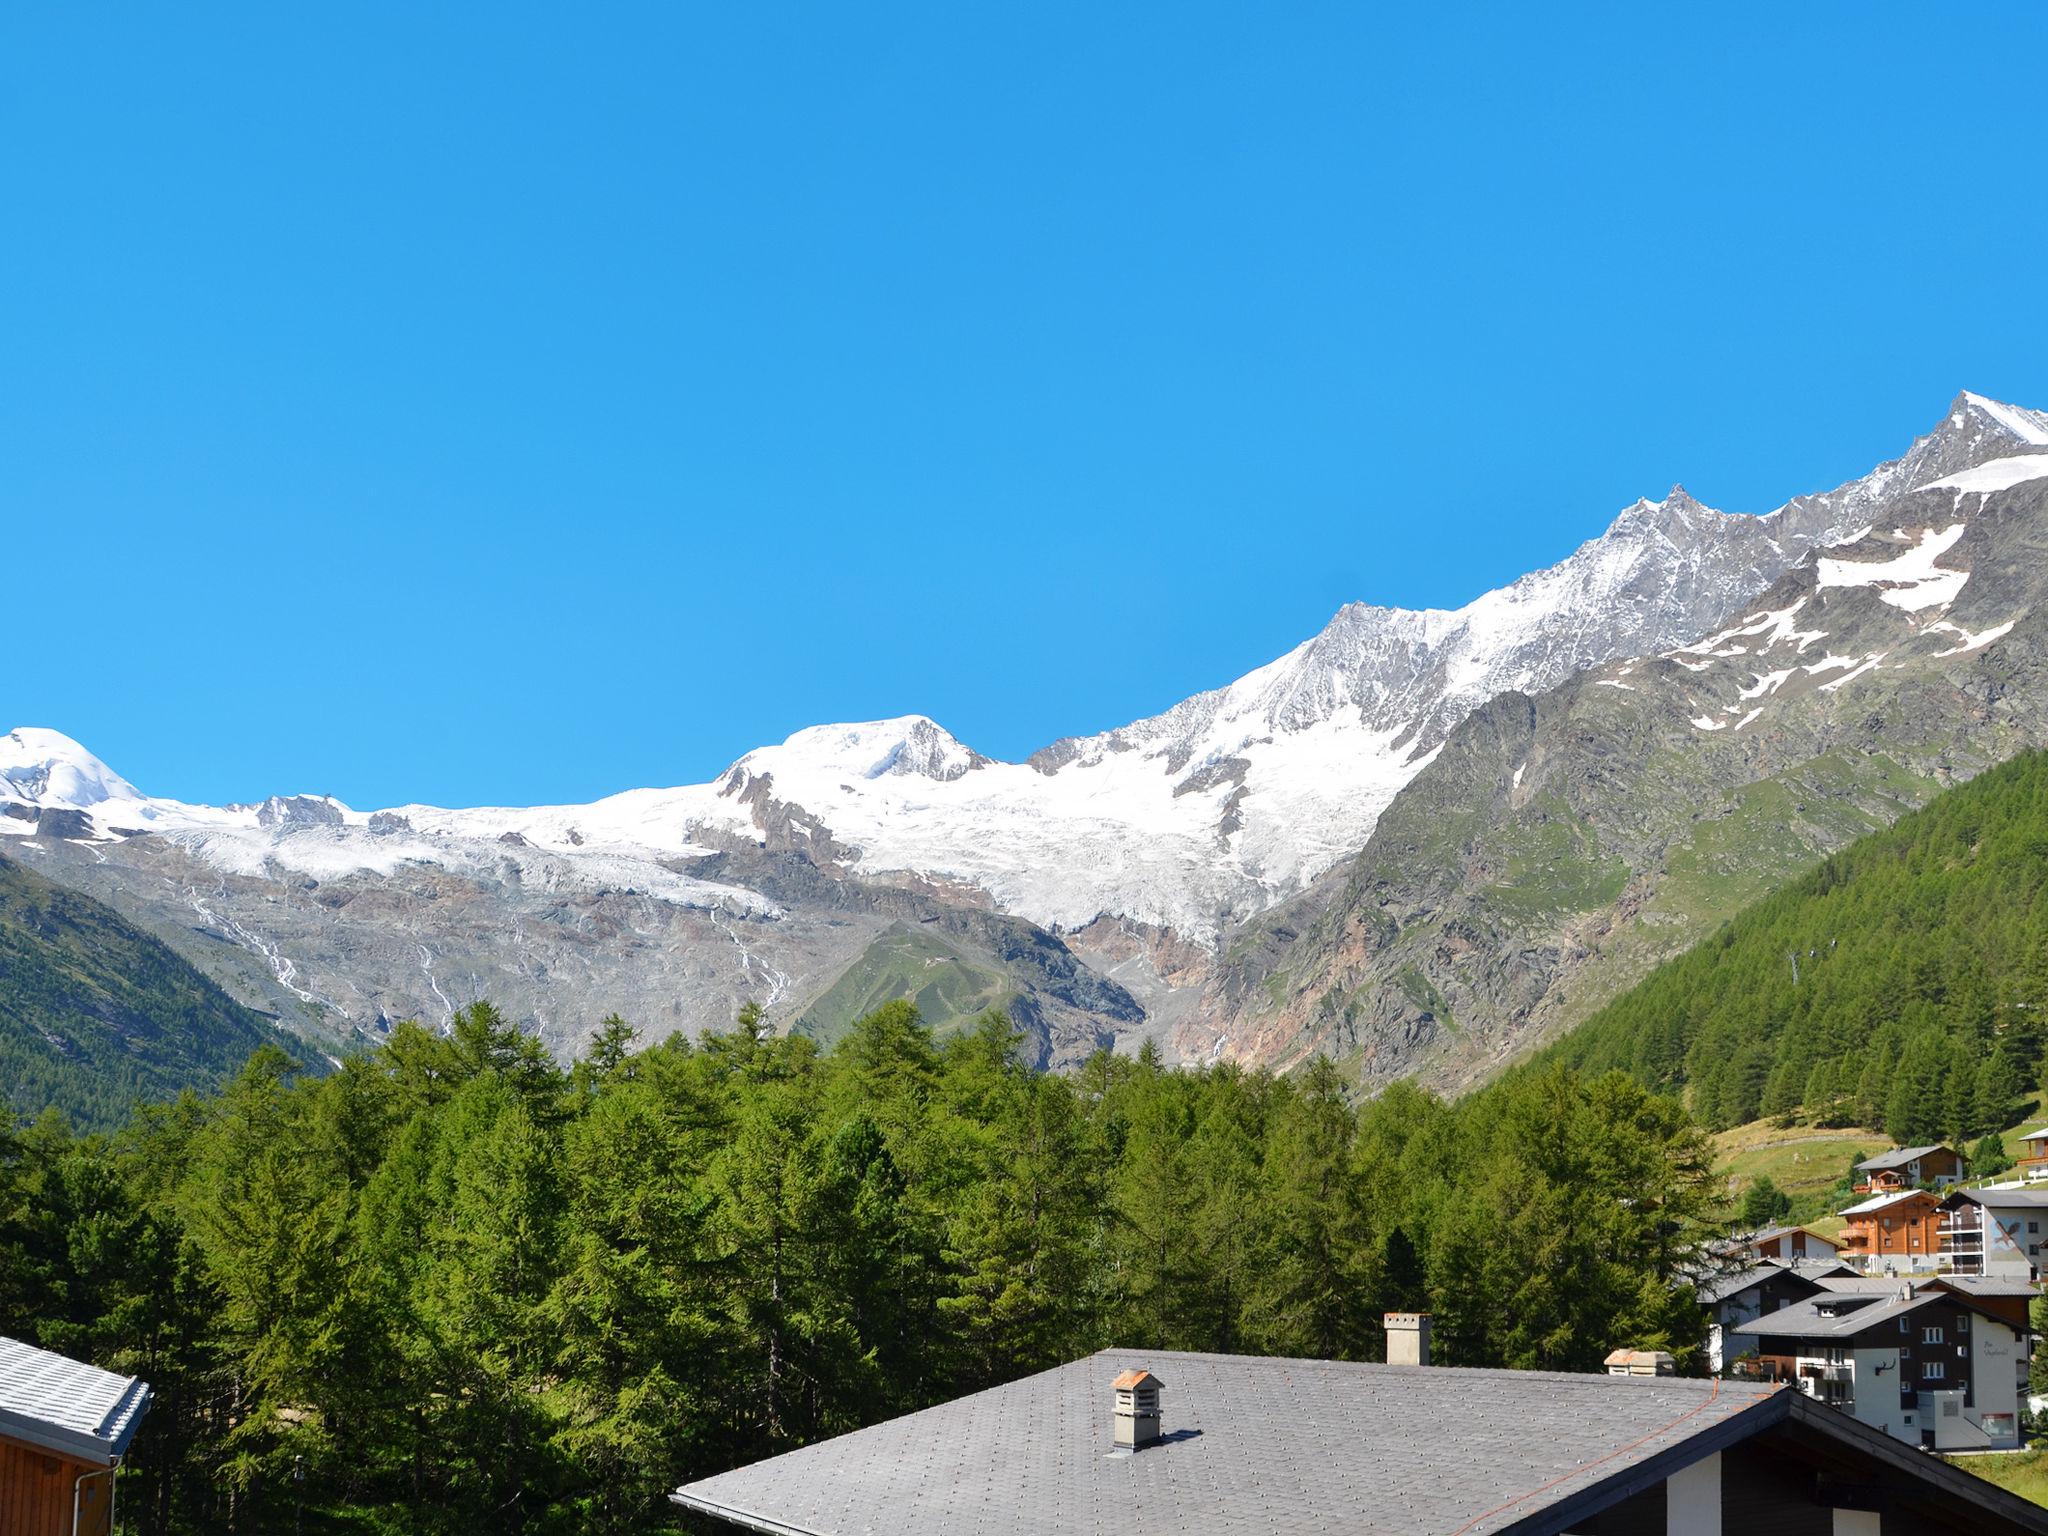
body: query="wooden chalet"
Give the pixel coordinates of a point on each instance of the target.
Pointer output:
(2033, 1159)
(64, 1432)
(1936, 1167)
(1894, 1233)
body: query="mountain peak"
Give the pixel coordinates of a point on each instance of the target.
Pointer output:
(2016, 421)
(49, 768)
(872, 749)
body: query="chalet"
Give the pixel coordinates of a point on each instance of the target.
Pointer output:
(2033, 1159)
(1922, 1363)
(1304, 1447)
(1894, 1234)
(64, 1430)
(1739, 1296)
(1789, 1245)
(1910, 1168)
(1997, 1231)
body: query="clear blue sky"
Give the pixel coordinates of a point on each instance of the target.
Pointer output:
(521, 403)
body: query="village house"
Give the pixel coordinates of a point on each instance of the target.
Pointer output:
(1910, 1168)
(1788, 1245)
(2033, 1158)
(1920, 1363)
(1894, 1234)
(1997, 1231)
(1304, 1447)
(2003, 1298)
(1752, 1291)
(64, 1431)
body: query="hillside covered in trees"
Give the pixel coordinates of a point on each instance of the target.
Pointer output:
(460, 1288)
(96, 1015)
(1901, 984)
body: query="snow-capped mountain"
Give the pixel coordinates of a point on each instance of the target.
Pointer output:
(1189, 821)
(854, 859)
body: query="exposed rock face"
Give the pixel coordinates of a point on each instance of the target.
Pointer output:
(1561, 844)
(287, 812)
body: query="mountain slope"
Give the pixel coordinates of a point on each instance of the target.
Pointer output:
(95, 1015)
(1561, 845)
(1921, 949)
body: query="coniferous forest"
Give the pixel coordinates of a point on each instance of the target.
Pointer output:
(1902, 984)
(456, 1287)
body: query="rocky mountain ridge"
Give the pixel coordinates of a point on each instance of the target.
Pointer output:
(1563, 843)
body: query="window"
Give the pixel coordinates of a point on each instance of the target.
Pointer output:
(2033, 1227)
(1962, 1322)
(1904, 1326)
(1932, 1371)
(1930, 1335)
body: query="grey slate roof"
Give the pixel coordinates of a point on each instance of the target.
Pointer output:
(1255, 1447)
(1901, 1157)
(1717, 1288)
(1803, 1319)
(2006, 1197)
(1990, 1285)
(64, 1405)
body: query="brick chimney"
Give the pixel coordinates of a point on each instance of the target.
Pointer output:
(1137, 1410)
(1407, 1338)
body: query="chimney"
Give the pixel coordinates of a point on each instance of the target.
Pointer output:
(1137, 1410)
(1641, 1362)
(1407, 1338)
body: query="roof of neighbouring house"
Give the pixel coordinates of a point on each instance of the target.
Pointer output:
(63, 1405)
(2018, 1197)
(1878, 1202)
(2040, 1135)
(1859, 1309)
(1274, 1447)
(1988, 1285)
(1772, 1234)
(1715, 1288)
(1902, 1156)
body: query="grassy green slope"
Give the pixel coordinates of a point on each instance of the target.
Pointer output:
(95, 1014)
(1902, 983)
(905, 962)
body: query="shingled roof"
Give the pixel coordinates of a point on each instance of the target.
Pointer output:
(63, 1405)
(1840, 1312)
(1901, 1156)
(1271, 1447)
(1285, 1447)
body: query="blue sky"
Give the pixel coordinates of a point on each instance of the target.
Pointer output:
(410, 408)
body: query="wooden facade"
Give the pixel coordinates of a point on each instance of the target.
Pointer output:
(37, 1490)
(1907, 1228)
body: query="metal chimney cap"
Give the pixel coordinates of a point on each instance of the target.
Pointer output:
(1130, 1381)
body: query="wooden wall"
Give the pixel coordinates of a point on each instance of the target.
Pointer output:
(36, 1489)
